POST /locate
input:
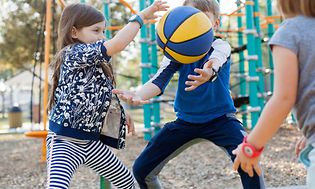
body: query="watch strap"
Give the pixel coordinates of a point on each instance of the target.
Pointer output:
(249, 150)
(136, 18)
(214, 75)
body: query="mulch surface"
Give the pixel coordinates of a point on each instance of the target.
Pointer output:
(208, 168)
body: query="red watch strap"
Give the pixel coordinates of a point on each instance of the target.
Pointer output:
(249, 150)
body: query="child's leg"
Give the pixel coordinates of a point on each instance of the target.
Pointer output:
(101, 159)
(310, 179)
(227, 132)
(63, 158)
(167, 144)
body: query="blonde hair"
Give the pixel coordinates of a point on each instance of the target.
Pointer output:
(205, 6)
(291, 8)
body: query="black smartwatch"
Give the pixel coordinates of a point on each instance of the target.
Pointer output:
(214, 75)
(136, 18)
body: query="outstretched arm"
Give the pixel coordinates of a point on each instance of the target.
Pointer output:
(148, 91)
(276, 110)
(153, 87)
(141, 96)
(219, 56)
(120, 41)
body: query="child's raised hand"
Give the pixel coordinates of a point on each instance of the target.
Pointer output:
(204, 75)
(148, 13)
(129, 97)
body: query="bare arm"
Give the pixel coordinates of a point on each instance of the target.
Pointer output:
(153, 87)
(120, 41)
(276, 110)
(141, 96)
(283, 99)
(148, 91)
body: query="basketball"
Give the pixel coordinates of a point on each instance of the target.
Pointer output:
(184, 34)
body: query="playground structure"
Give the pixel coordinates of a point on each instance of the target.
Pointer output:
(252, 74)
(255, 85)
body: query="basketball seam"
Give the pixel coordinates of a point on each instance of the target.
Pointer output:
(164, 33)
(175, 27)
(187, 54)
(191, 38)
(161, 42)
(170, 56)
(187, 41)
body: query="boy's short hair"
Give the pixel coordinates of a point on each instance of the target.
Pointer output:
(206, 6)
(291, 8)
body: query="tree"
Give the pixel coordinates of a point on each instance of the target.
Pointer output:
(20, 33)
(24, 25)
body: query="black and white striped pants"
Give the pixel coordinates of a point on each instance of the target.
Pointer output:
(64, 155)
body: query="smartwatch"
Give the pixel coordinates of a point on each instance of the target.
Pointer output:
(214, 75)
(136, 18)
(249, 150)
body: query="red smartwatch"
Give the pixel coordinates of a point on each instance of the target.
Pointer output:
(249, 150)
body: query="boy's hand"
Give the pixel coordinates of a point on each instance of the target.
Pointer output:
(300, 145)
(130, 124)
(148, 13)
(249, 165)
(204, 75)
(129, 97)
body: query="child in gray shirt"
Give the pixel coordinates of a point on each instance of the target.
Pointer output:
(293, 51)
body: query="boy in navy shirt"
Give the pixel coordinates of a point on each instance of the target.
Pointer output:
(203, 106)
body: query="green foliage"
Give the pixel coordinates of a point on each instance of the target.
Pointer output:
(21, 31)
(19, 34)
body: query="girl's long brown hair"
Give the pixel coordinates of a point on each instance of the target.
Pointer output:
(78, 16)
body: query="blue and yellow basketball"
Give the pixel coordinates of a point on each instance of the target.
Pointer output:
(185, 34)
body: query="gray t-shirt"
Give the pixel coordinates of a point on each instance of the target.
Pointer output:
(298, 35)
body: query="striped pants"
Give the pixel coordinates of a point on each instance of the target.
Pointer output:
(64, 155)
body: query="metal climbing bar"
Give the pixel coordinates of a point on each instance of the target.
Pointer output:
(253, 84)
(106, 11)
(61, 3)
(154, 69)
(243, 86)
(145, 72)
(133, 11)
(270, 33)
(259, 66)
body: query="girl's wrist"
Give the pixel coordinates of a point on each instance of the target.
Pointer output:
(249, 150)
(141, 14)
(254, 143)
(136, 18)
